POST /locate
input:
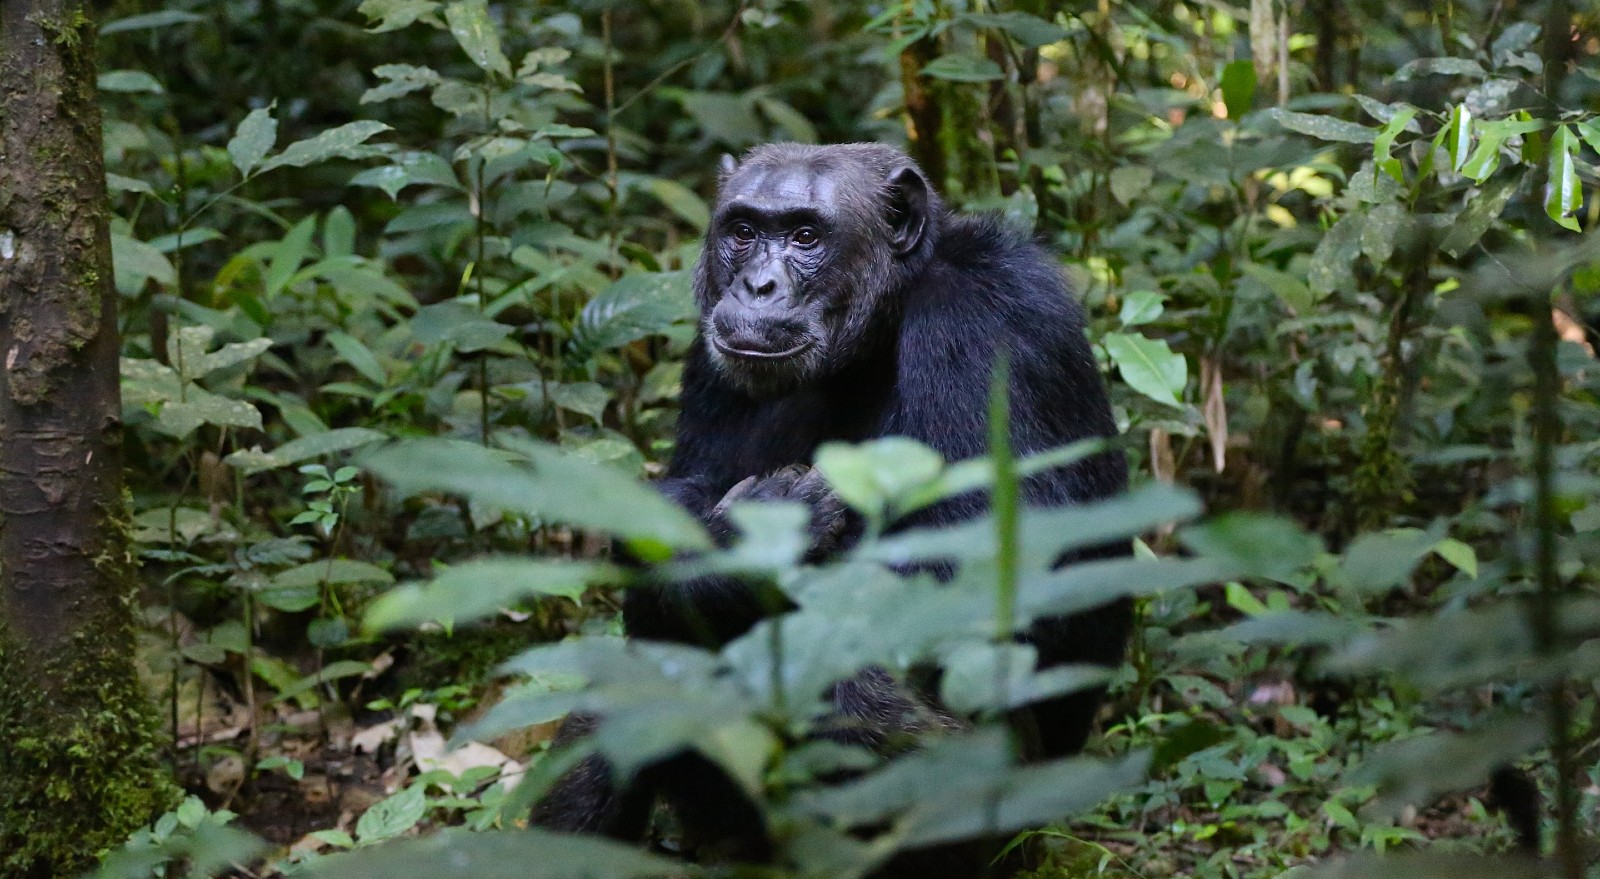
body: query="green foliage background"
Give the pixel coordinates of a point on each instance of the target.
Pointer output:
(1335, 262)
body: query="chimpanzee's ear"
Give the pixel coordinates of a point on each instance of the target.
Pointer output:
(727, 166)
(908, 208)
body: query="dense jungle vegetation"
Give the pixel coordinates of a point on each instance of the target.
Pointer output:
(404, 294)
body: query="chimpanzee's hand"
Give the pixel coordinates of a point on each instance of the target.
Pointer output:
(800, 484)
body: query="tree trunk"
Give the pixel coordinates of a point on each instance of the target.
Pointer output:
(77, 765)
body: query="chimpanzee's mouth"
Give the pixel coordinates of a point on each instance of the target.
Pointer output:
(748, 354)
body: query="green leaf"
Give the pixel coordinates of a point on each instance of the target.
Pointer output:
(558, 486)
(314, 445)
(333, 572)
(135, 263)
(478, 589)
(1323, 127)
(1130, 182)
(1239, 87)
(1334, 259)
(470, 25)
(401, 79)
(359, 357)
(1030, 31)
(962, 67)
(1459, 554)
(795, 125)
(681, 201)
(1382, 146)
(635, 306)
(870, 476)
(1483, 208)
(1149, 366)
(1285, 286)
(392, 15)
(1379, 561)
(128, 81)
(1140, 307)
(1438, 67)
(1459, 139)
(345, 142)
(1423, 768)
(164, 18)
(253, 139)
(586, 398)
(409, 168)
(390, 817)
(1563, 193)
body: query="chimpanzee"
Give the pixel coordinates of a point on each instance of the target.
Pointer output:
(840, 300)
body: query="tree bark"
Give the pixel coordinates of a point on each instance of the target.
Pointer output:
(77, 769)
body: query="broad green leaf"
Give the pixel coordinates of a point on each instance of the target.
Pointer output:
(1564, 192)
(348, 141)
(1423, 768)
(392, 15)
(399, 79)
(1285, 286)
(681, 201)
(962, 67)
(1438, 67)
(1483, 208)
(1140, 306)
(728, 119)
(333, 572)
(128, 81)
(287, 254)
(1335, 256)
(635, 306)
(1267, 546)
(458, 324)
(1130, 182)
(253, 139)
(1030, 31)
(871, 476)
(199, 406)
(392, 816)
(1379, 561)
(1459, 554)
(409, 168)
(586, 398)
(164, 18)
(1382, 146)
(558, 486)
(304, 448)
(795, 125)
(1238, 87)
(359, 357)
(134, 263)
(333, 671)
(1459, 138)
(470, 25)
(1323, 127)
(477, 589)
(1149, 366)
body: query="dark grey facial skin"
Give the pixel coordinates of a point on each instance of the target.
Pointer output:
(804, 246)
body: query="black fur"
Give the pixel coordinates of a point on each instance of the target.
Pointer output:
(905, 308)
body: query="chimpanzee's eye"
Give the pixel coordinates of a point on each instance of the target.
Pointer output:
(744, 233)
(806, 237)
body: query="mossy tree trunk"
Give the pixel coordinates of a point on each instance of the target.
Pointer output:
(77, 757)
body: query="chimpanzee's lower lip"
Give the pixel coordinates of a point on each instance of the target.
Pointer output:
(761, 355)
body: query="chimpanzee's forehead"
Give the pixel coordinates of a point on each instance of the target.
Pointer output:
(783, 187)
